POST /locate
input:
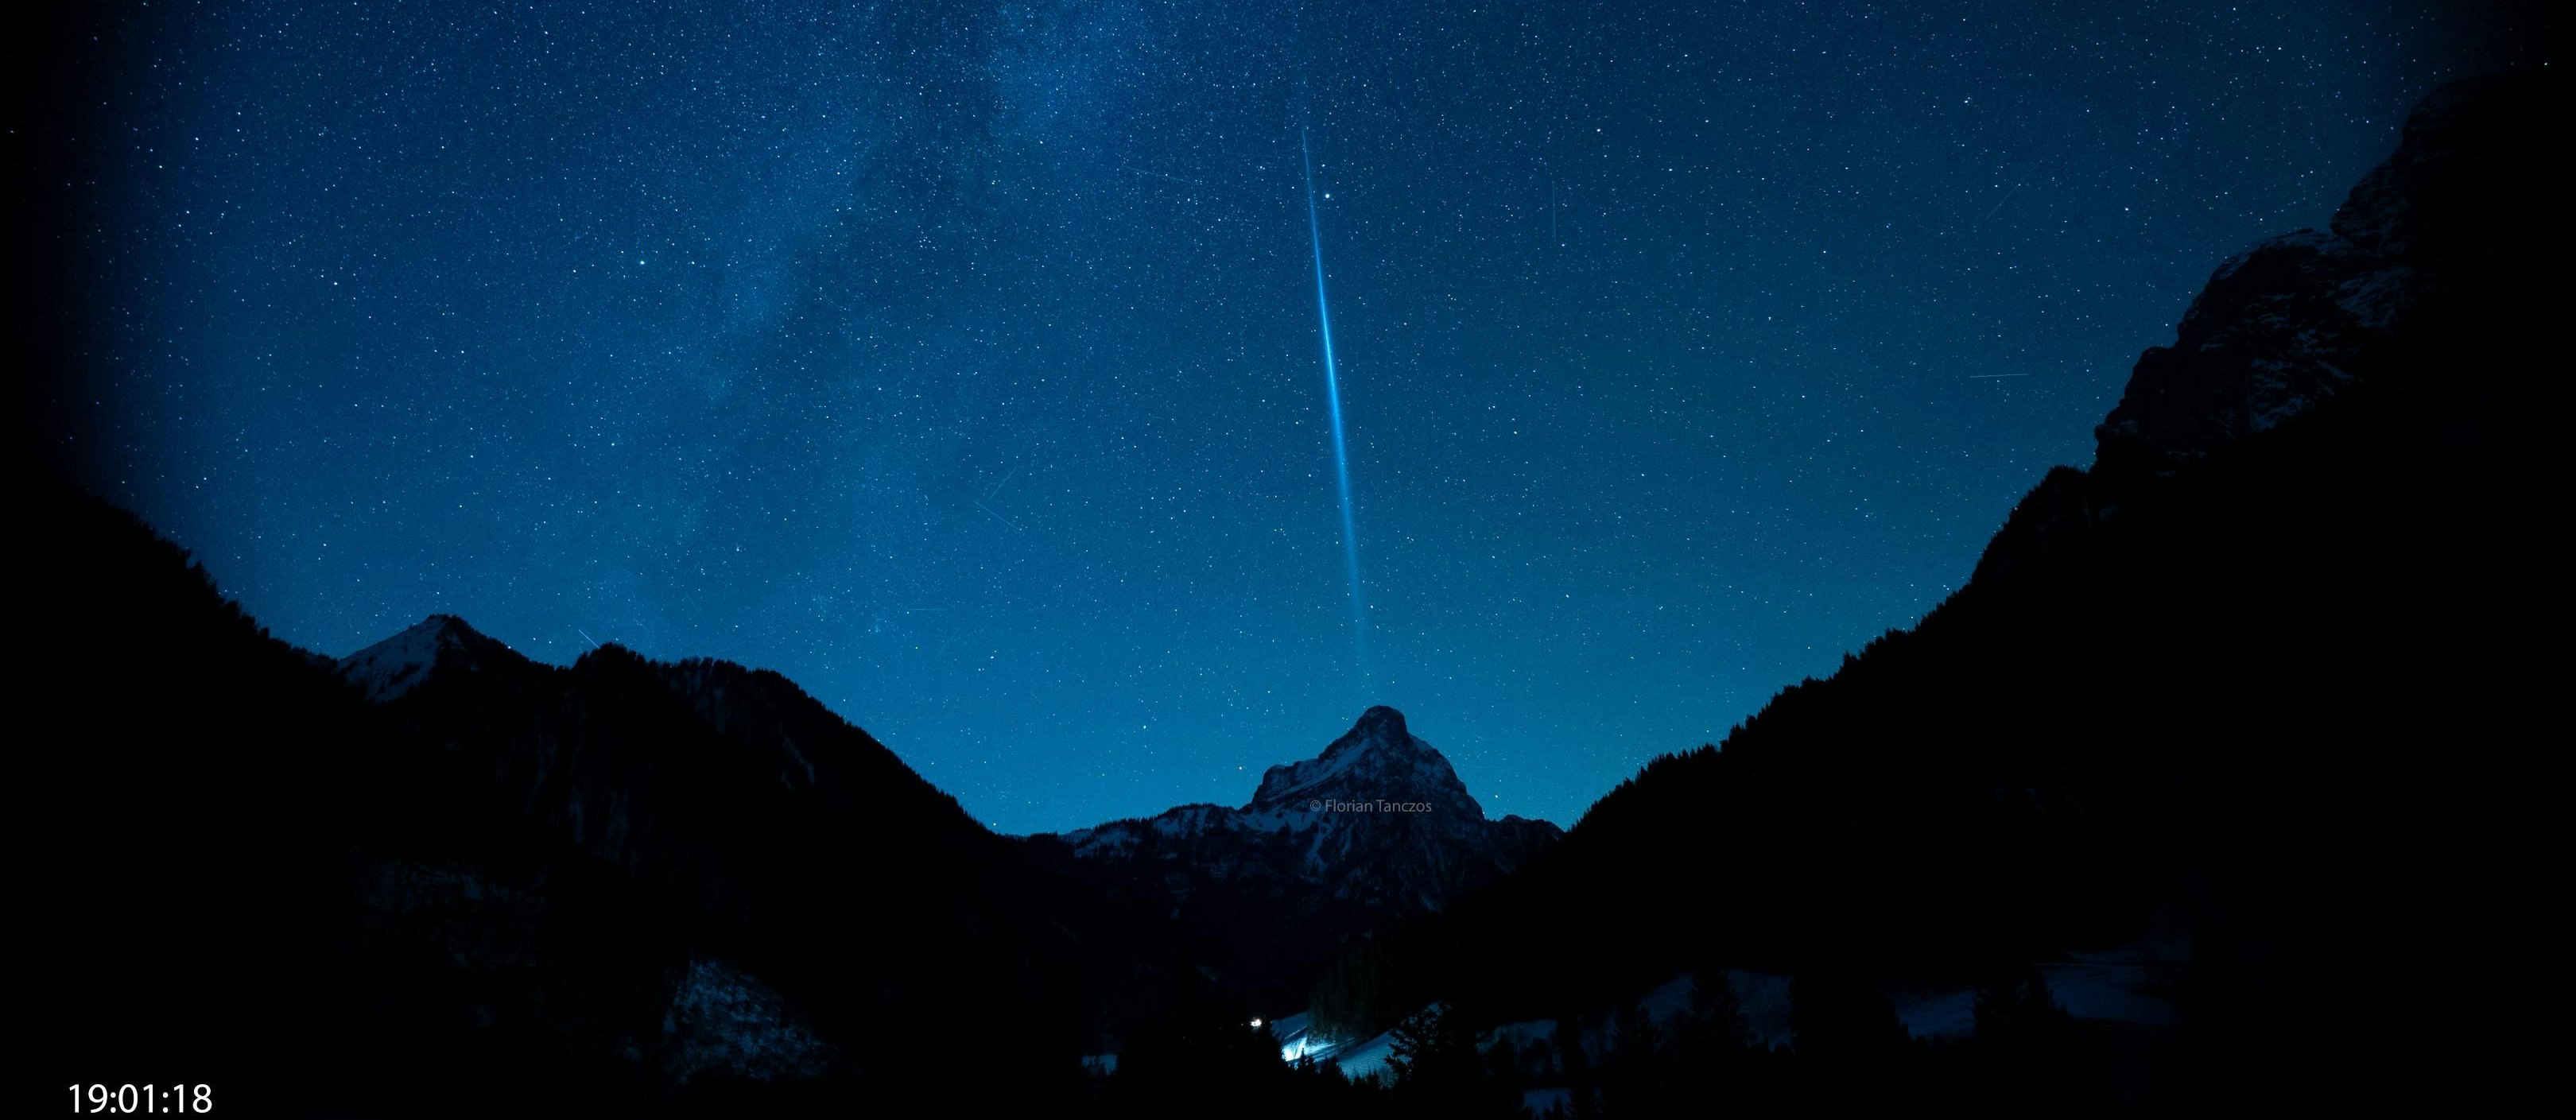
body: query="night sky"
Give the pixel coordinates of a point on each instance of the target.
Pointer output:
(961, 361)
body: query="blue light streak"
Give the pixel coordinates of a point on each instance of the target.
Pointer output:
(1333, 395)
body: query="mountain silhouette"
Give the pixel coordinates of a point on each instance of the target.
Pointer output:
(440, 862)
(2256, 667)
(1378, 826)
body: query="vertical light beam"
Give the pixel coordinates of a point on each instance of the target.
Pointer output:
(1333, 396)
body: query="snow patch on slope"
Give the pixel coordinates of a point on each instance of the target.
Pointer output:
(398, 664)
(722, 1019)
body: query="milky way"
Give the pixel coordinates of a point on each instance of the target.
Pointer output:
(951, 358)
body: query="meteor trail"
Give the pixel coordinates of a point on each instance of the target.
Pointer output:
(998, 517)
(1333, 395)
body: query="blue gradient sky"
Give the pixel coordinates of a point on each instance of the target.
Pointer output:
(959, 361)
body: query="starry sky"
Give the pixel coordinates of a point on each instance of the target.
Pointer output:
(961, 362)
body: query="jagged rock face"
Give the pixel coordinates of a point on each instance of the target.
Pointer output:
(1386, 821)
(2277, 331)
(2306, 317)
(1378, 758)
(2290, 324)
(1377, 825)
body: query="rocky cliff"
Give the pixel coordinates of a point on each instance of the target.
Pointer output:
(1377, 826)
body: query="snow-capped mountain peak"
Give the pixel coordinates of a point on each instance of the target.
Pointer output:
(400, 663)
(1378, 823)
(1377, 760)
